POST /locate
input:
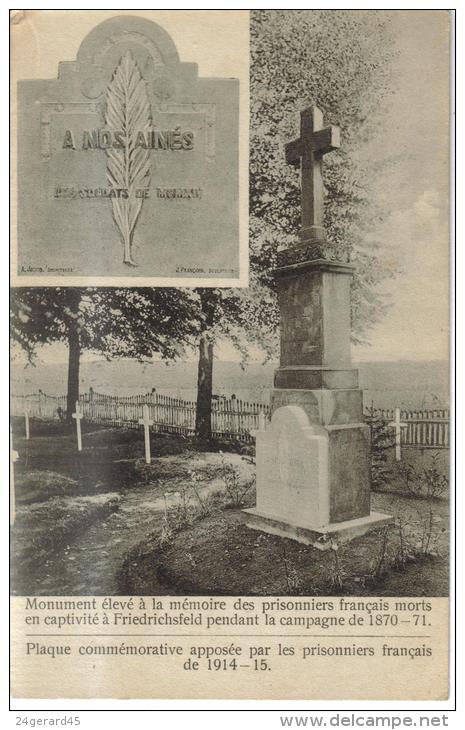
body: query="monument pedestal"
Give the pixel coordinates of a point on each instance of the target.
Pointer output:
(313, 482)
(320, 538)
(313, 462)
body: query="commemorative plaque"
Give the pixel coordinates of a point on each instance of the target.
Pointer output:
(128, 165)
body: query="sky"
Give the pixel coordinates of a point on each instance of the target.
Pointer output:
(416, 190)
(417, 232)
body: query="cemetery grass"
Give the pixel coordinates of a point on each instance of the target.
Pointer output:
(79, 514)
(102, 522)
(220, 555)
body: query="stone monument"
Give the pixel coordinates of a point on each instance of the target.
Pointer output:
(128, 165)
(313, 462)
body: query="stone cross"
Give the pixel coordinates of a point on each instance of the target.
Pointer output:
(307, 152)
(26, 424)
(146, 422)
(398, 425)
(78, 416)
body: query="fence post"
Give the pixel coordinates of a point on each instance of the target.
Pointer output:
(234, 420)
(14, 456)
(155, 409)
(91, 402)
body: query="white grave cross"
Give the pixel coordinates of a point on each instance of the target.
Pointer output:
(398, 425)
(146, 423)
(78, 416)
(14, 456)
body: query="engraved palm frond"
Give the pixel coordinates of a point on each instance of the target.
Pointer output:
(128, 112)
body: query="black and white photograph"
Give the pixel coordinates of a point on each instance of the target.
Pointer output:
(286, 439)
(129, 146)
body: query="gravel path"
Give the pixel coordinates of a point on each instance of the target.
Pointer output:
(89, 565)
(89, 562)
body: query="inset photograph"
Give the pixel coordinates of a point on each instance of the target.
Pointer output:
(128, 156)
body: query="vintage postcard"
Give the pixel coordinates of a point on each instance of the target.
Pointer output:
(130, 134)
(223, 491)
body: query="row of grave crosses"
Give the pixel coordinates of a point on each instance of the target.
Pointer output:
(147, 422)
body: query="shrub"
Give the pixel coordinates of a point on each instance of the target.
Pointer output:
(436, 483)
(409, 478)
(236, 488)
(381, 441)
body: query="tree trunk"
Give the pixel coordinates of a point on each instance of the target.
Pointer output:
(74, 353)
(203, 417)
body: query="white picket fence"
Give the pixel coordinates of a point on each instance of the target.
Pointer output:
(425, 429)
(38, 405)
(232, 418)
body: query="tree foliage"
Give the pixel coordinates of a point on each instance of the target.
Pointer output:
(340, 61)
(134, 323)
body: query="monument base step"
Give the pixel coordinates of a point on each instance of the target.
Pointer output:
(318, 537)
